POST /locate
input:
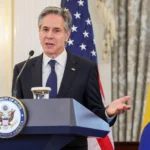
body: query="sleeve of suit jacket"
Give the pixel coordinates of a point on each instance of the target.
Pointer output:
(93, 96)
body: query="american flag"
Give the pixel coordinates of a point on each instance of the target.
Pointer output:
(81, 43)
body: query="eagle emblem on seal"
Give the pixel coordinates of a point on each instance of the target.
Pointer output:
(6, 118)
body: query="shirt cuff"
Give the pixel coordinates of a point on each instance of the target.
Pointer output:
(109, 119)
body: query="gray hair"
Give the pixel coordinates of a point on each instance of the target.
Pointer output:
(65, 14)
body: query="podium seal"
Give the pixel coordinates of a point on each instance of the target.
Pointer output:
(12, 117)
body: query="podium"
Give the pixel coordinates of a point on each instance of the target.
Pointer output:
(53, 123)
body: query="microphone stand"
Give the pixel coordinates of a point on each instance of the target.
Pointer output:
(15, 87)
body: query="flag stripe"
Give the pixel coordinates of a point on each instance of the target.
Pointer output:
(105, 143)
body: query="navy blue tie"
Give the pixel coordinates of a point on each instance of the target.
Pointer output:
(52, 79)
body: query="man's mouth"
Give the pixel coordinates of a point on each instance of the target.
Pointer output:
(49, 44)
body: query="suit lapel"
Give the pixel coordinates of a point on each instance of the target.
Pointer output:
(69, 75)
(36, 71)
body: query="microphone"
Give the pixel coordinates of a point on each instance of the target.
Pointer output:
(31, 53)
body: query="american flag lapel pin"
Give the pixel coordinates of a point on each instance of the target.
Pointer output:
(73, 69)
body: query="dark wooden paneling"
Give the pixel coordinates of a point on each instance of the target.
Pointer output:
(126, 145)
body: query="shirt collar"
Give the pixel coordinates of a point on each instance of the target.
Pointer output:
(61, 59)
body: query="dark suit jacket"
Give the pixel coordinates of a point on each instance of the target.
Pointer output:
(80, 84)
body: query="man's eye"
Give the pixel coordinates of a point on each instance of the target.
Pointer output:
(56, 30)
(45, 29)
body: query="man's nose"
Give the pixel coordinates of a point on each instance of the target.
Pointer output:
(50, 34)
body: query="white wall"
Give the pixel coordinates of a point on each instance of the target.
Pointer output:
(26, 34)
(5, 47)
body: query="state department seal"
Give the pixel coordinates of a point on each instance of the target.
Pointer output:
(12, 117)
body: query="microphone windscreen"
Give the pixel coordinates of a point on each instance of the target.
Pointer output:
(31, 53)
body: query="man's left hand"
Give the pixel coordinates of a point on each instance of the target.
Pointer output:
(118, 106)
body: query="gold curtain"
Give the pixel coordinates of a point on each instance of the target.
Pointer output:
(130, 64)
(130, 61)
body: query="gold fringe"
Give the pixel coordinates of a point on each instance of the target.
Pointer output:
(110, 29)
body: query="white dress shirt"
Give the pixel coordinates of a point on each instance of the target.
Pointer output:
(59, 68)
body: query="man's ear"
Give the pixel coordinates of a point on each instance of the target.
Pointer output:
(67, 36)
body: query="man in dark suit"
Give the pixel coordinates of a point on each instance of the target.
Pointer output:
(75, 77)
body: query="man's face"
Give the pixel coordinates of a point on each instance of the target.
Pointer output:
(53, 35)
